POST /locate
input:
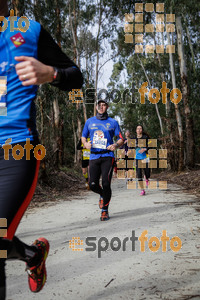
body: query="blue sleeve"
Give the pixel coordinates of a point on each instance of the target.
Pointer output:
(85, 132)
(118, 131)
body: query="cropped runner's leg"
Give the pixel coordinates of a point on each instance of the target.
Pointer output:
(85, 164)
(139, 175)
(18, 180)
(138, 171)
(94, 176)
(106, 171)
(2, 278)
(147, 172)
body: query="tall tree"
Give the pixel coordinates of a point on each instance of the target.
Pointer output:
(185, 92)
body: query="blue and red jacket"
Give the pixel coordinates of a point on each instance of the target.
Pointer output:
(17, 108)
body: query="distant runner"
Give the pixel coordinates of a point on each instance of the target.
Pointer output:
(85, 157)
(101, 129)
(127, 137)
(141, 155)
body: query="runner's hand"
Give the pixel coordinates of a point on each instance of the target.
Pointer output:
(112, 147)
(32, 72)
(142, 150)
(88, 145)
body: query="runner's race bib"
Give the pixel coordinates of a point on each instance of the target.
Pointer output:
(99, 142)
(3, 95)
(86, 154)
(146, 160)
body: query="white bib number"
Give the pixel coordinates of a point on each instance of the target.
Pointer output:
(3, 95)
(99, 143)
(86, 155)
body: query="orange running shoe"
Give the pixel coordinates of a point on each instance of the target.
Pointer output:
(101, 202)
(104, 216)
(37, 275)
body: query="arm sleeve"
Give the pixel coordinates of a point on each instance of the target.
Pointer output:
(85, 132)
(125, 146)
(79, 147)
(147, 141)
(50, 54)
(118, 132)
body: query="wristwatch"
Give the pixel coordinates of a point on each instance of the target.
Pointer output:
(56, 76)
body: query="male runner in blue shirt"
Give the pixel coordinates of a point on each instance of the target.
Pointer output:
(101, 130)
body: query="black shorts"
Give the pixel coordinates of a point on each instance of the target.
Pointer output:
(85, 163)
(18, 179)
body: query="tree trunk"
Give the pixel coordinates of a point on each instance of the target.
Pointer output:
(74, 33)
(185, 94)
(178, 116)
(157, 110)
(79, 133)
(58, 30)
(56, 111)
(43, 162)
(190, 44)
(75, 142)
(77, 60)
(96, 80)
(18, 7)
(97, 53)
(84, 111)
(167, 107)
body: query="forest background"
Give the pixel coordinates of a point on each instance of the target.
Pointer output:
(92, 33)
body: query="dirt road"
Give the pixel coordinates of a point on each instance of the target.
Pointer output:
(128, 274)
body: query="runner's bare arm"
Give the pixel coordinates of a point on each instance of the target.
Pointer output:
(113, 147)
(86, 144)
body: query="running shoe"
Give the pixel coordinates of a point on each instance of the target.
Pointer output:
(101, 202)
(37, 275)
(104, 216)
(87, 186)
(142, 193)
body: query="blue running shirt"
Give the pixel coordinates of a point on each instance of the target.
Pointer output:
(19, 99)
(101, 134)
(17, 107)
